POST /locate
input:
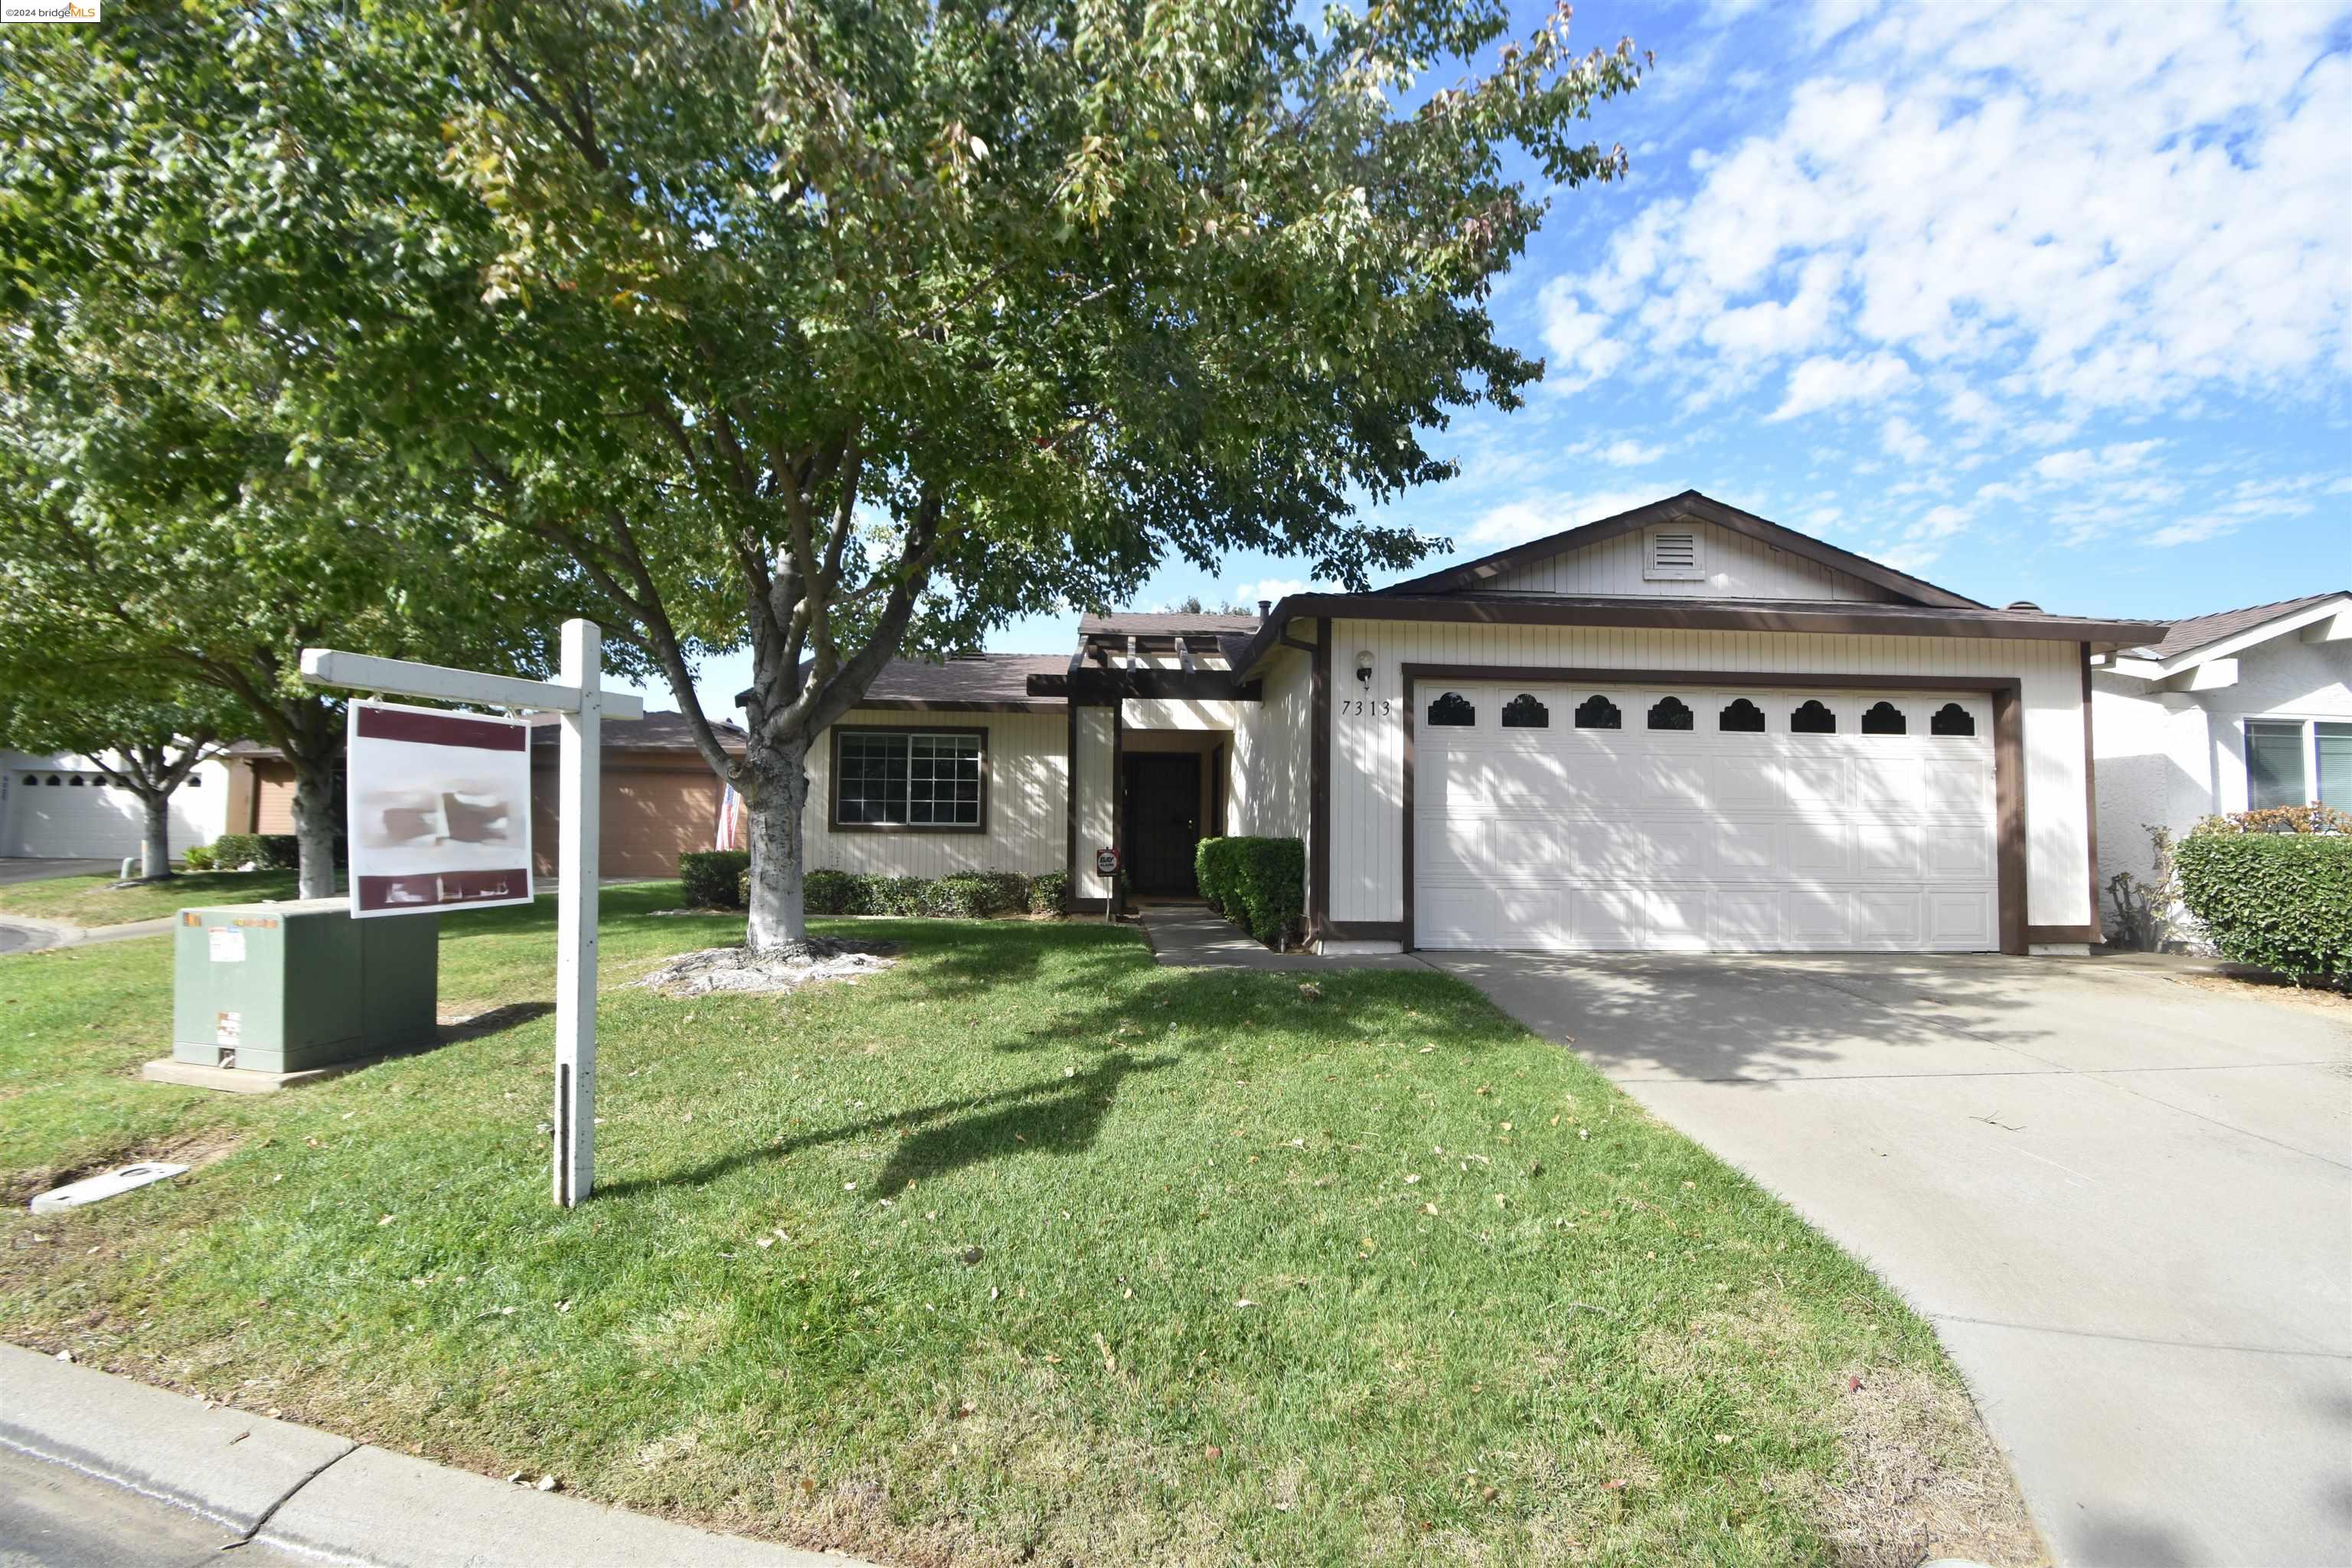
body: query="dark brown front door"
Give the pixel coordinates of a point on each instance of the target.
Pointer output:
(1162, 821)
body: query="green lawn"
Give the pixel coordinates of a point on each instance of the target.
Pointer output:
(97, 901)
(1025, 1251)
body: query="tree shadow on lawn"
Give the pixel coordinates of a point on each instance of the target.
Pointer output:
(966, 958)
(1060, 1115)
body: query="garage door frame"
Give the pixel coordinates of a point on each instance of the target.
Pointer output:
(2008, 750)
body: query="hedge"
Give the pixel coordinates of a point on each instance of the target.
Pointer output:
(1261, 883)
(265, 851)
(2283, 901)
(714, 877)
(963, 895)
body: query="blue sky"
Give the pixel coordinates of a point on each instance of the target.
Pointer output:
(2037, 302)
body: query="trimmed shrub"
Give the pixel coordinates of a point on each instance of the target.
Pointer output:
(961, 895)
(264, 851)
(1261, 883)
(197, 857)
(1216, 864)
(975, 894)
(2271, 896)
(715, 878)
(823, 892)
(1049, 894)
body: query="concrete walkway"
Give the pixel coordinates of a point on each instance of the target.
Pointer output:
(241, 1479)
(2123, 1196)
(1188, 936)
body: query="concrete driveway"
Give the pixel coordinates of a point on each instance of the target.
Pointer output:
(2124, 1198)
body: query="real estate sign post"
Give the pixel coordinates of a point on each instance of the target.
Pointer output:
(446, 803)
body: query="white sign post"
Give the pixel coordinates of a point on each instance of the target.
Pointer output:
(579, 697)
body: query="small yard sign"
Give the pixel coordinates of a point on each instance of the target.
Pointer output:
(438, 809)
(1106, 862)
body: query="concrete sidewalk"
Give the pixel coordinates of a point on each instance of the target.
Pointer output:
(275, 1484)
(1188, 936)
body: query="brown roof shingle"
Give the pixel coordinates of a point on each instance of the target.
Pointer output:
(983, 678)
(2199, 630)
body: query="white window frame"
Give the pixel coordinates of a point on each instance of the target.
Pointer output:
(2310, 724)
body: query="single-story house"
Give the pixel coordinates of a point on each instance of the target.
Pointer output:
(2231, 712)
(1683, 728)
(58, 806)
(659, 798)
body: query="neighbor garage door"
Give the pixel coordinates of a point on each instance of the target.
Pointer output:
(70, 812)
(1685, 818)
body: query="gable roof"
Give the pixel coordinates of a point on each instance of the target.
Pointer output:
(1471, 575)
(978, 682)
(661, 730)
(2201, 631)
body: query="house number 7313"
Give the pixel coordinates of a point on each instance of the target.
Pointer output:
(1365, 707)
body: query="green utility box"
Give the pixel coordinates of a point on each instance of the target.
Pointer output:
(281, 988)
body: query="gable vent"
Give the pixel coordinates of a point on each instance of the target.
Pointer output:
(1671, 554)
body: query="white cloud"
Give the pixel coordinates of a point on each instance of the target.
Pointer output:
(1515, 522)
(2084, 463)
(1902, 439)
(2080, 207)
(1621, 454)
(1574, 334)
(1274, 588)
(1825, 383)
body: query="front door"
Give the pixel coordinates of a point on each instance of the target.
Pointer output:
(1163, 820)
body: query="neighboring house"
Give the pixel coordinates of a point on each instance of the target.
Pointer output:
(659, 798)
(59, 805)
(1683, 727)
(2227, 712)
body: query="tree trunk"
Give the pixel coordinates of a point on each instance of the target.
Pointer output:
(155, 852)
(779, 918)
(314, 825)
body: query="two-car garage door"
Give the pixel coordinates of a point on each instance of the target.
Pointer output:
(1685, 818)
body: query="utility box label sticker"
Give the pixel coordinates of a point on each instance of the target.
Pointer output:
(228, 946)
(228, 1029)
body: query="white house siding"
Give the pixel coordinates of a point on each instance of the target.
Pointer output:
(1368, 771)
(1027, 827)
(1737, 567)
(1098, 787)
(111, 822)
(2167, 758)
(1270, 754)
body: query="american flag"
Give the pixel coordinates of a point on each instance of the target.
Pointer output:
(730, 814)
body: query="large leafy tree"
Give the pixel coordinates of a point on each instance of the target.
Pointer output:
(835, 331)
(169, 542)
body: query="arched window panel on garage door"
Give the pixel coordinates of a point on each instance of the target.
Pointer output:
(1597, 713)
(1812, 717)
(1740, 717)
(1952, 718)
(1452, 710)
(1671, 714)
(1884, 718)
(1524, 711)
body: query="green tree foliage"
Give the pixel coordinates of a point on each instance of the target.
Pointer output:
(836, 332)
(166, 517)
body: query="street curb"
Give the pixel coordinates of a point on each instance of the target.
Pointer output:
(413, 1515)
(229, 1465)
(313, 1492)
(56, 935)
